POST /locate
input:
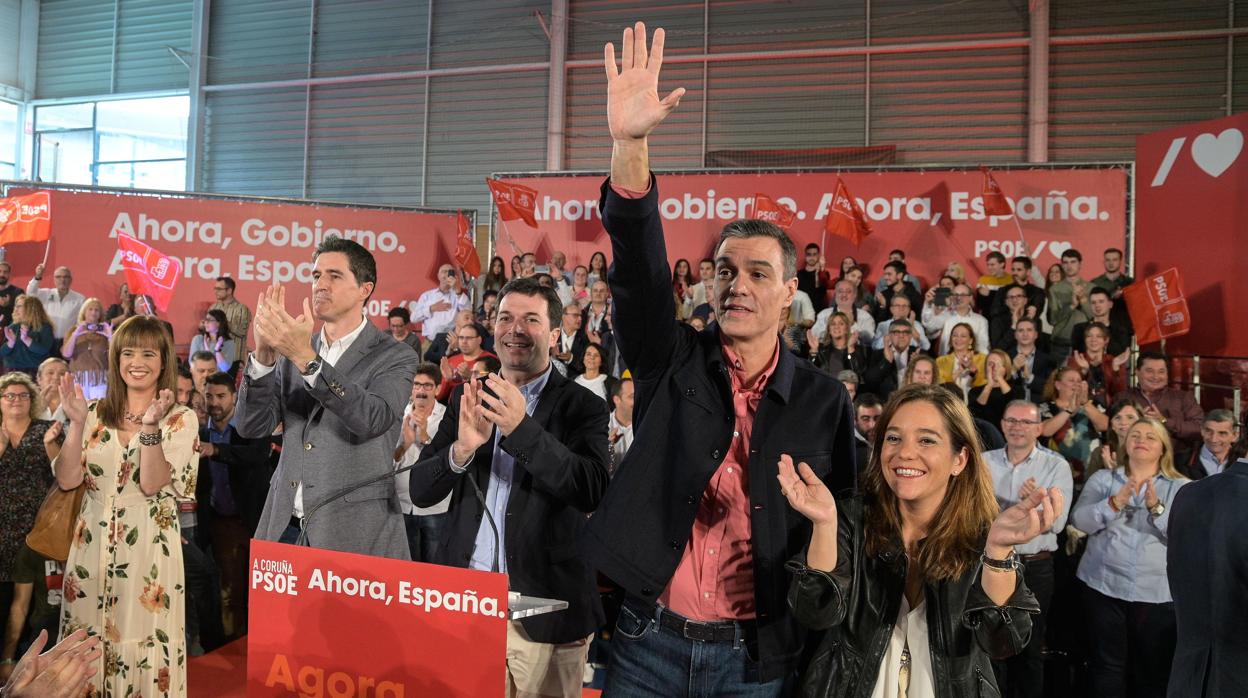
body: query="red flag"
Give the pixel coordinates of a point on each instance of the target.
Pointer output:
(514, 201)
(995, 203)
(846, 218)
(1157, 306)
(26, 218)
(465, 247)
(768, 209)
(148, 271)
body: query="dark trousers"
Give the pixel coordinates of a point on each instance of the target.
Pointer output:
(230, 547)
(1132, 646)
(424, 535)
(203, 598)
(1022, 676)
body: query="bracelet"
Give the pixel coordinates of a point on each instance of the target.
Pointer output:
(152, 439)
(8, 662)
(1009, 564)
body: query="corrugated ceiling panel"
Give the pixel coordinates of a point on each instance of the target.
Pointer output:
(366, 142)
(148, 33)
(10, 40)
(479, 125)
(1103, 96)
(75, 48)
(1239, 87)
(253, 143)
(902, 21)
(591, 24)
(370, 36)
(1130, 16)
(489, 33)
(252, 41)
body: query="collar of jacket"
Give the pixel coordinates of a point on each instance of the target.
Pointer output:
(781, 382)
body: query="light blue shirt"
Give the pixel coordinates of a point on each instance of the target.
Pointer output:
(498, 492)
(1049, 469)
(1126, 555)
(1210, 463)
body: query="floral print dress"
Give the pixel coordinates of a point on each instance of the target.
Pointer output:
(124, 579)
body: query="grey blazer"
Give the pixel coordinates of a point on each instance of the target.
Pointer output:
(338, 432)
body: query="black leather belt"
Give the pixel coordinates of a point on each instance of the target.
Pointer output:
(724, 632)
(1042, 555)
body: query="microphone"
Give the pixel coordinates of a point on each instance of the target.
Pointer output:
(476, 490)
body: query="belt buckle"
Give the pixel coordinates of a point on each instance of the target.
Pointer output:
(698, 632)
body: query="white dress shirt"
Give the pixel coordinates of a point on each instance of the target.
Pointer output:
(410, 456)
(978, 323)
(432, 323)
(801, 310)
(622, 444)
(330, 353)
(1049, 469)
(63, 312)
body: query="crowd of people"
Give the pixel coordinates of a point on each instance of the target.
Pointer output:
(944, 486)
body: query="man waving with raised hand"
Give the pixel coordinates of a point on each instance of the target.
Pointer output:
(694, 526)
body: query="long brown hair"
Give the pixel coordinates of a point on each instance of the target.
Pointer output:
(956, 535)
(138, 332)
(34, 315)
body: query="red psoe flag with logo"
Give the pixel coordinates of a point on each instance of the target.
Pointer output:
(995, 203)
(768, 209)
(148, 271)
(465, 247)
(514, 201)
(26, 218)
(1158, 308)
(845, 218)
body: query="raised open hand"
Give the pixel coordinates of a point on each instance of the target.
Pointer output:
(806, 492)
(633, 104)
(72, 400)
(158, 408)
(474, 428)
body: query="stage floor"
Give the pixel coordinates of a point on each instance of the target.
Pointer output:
(223, 673)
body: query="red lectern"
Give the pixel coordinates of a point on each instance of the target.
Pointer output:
(325, 623)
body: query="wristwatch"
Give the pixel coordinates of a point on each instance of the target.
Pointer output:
(1011, 562)
(1157, 510)
(313, 366)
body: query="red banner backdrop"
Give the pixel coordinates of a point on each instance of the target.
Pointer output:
(254, 243)
(935, 216)
(1192, 214)
(325, 623)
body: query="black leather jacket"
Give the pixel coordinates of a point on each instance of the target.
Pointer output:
(857, 608)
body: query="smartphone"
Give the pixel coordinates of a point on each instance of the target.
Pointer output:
(941, 297)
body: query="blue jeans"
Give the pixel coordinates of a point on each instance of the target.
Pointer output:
(650, 660)
(424, 535)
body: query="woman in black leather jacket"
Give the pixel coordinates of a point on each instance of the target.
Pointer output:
(915, 583)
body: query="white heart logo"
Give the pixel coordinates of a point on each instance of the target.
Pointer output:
(1057, 248)
(1214, 154)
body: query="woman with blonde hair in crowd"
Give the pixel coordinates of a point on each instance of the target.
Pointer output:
(914, 585)
(839, 349)
(86, 347)
(28, 340)
(136, 451)
(1128, 607)
(962, 367)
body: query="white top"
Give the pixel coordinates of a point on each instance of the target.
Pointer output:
(597, 385)
(911, 629)
(63, 312)
(431, 323)
(330, 353)
(801, 310)
(864, 325)
(410, 456)
(622, 444)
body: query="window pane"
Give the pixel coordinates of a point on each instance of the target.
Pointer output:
(66, 157)
(143, 129)
(64, 116)
(170, 175)
(8, 137)
(7, 171)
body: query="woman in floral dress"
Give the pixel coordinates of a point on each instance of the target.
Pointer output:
(124, 579)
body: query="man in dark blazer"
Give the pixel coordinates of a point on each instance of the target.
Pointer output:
(1207, 564)
(887, 368)
(340, 397)
(534, 444)
(694, 527)
(1032, 366)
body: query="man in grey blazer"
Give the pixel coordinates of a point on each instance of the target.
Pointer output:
(339, 396)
